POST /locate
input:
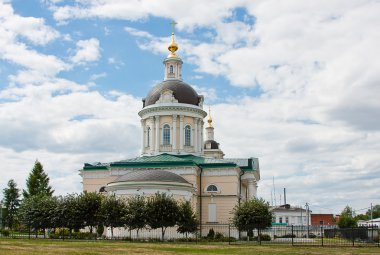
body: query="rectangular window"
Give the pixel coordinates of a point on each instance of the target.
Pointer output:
(280, 220)
(287, 220)
(321, 222)
(211, 212)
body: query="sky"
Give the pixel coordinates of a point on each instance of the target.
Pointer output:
(295, 83)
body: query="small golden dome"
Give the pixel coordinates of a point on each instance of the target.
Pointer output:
(209, 117)
(173, 47)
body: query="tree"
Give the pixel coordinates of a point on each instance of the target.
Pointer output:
(162, 211)
(38, 212)
(252, 214)
(375, 212)
(112, 211)
(90, 203)
(69, 213)
(135, 216)
(11, 202)
(187, 220)
(346, 219)
(37, 182)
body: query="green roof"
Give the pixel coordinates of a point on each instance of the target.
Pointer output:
(168, 160)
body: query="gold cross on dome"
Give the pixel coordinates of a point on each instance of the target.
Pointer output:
(173, 23)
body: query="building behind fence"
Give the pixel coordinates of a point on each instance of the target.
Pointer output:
(279, 235)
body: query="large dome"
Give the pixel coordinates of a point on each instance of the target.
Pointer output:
(183, 92)
(149, 176)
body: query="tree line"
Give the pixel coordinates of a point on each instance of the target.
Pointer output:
(40, 210)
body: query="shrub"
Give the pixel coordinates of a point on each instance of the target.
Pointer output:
(100, 230)
(211, 233)
(4, 232)
(288, 235)
(219, 236)
(263, 237)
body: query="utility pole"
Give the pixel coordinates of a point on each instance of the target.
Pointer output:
(307, 215)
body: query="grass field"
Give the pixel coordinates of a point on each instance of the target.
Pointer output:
(14, 246)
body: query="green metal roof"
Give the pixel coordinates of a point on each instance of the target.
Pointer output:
(169, 160)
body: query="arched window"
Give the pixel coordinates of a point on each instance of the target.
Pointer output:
(171, 69)
(147, 136)
(187, 136)
(212, 188)
(166, 135)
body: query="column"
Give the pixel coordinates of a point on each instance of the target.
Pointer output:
(252, 188)
(199, 135)
(195, 135)
(142, 136)
(181, 133)
(202, 139)
(157, 143)
(151, 144)
(174, 144)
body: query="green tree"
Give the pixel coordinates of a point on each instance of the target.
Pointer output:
(11, 202)
(37, 212)
(37, 182)
(187, 220)
(90, 204)
(112, 211)
(252, 214)
(162, 211)
(346, 219)
(375, 212)
(135, 216)
(69, 213)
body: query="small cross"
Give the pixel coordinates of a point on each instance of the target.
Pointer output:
(173, 23)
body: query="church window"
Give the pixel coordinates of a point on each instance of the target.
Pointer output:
(171, 69)
(166, 135)
(148, 137)
(212, 188)
(187, 136)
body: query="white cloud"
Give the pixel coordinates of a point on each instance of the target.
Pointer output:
(87, 51)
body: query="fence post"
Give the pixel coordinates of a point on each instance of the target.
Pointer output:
(229, 233)
(292, 236)
(322, 234)
(352, 235)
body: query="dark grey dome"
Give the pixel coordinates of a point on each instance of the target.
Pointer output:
(182, 91)
(150, 175)
(214, 145)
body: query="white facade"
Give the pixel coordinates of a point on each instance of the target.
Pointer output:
(291, 216)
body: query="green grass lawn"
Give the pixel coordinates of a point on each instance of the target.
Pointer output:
(57, 247)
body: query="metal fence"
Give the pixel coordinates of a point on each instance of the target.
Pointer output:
(227, 233)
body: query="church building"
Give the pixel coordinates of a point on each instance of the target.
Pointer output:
(179, 155)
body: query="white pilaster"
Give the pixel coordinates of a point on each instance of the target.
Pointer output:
(196, 134)
(174, 144)
(143, 136)
(202, 139)
(151, 146)
(252, 188)
(199, 135)
(157, 142)
(181, 133)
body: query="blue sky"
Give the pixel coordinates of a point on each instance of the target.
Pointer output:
(294, 84)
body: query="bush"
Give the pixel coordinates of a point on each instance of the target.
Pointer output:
(263, 237)
(4, 232)
(100, 230)
(288, 235)
(211, 233)
(219, 236)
